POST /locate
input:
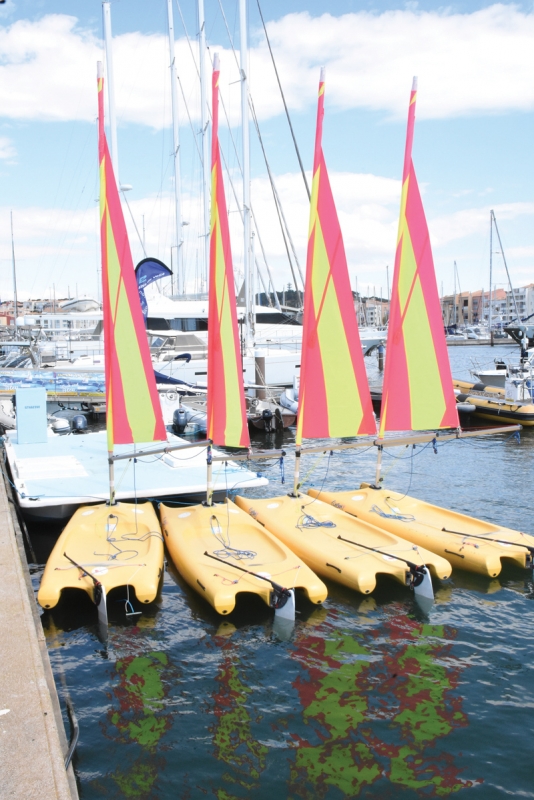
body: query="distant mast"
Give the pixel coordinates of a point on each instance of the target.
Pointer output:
(490, 279)
(106, 16)
(176, 155)
(14, 276)
(247, 263)
(206, 176)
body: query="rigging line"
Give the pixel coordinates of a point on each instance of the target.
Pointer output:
(188, 39)
(273, 186)
(133, 220)
(190, 120)
(221, 100)
(240, 210)
(285, 105)
(275, 194)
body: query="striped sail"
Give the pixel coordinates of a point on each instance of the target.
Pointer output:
(417, 392)
(227, 420)
(133, 410)
(334, 397)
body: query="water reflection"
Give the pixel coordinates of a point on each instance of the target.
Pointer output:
(233, 741)
(139, 712)
(376, 707)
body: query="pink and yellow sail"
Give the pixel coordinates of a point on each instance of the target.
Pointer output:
(227, 420)
(417, 392)
(334, 397)
(132, 401)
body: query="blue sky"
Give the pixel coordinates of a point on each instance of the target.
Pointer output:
(473, 145)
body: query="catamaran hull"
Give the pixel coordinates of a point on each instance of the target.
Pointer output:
(312, 531)
(437, 529)
(211, 545)
(120, 546)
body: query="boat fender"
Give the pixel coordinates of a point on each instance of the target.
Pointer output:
(60, 425)
(179, 420)
(79, 424)
(466, 408)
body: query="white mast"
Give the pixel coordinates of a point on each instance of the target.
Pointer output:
(205, 137)
(106, 14)
(246, 168)
(15, 301)
(490, 320)
(176, 153)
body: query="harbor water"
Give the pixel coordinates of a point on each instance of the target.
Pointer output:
(365, 697)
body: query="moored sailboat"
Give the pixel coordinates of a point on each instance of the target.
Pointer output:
(113, 545)
(418, 395)
(334, 401)
(220, 551)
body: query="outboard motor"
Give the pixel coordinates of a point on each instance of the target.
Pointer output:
(267, 417)
(79, 424)
(179, 420)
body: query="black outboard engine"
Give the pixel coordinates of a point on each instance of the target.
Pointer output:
(179, 420)
(79, 424)
(267, 417)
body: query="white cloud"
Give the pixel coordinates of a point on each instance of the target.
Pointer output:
(451, 227)
(467, 64)
(54, 246)
(7, 149)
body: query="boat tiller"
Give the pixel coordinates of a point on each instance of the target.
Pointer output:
(99, 592)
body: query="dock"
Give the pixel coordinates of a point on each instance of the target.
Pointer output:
(33, 742)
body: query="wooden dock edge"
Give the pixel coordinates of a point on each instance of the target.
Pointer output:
(32, 733)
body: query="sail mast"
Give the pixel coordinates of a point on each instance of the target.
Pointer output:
(334, 397)
(133, 409)
(176, 154)
(227, 420)
(417, 392)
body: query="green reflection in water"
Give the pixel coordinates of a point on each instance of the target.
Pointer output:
(232, 736)
(376, 709)
(137, 713)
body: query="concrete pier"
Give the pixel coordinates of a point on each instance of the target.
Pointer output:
(33, 744)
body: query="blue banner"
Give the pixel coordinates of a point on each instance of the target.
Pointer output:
(147, 271)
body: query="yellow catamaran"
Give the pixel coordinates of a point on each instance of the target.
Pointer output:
(334, 401)
(113, 545)
(220, 551)
(418, 395)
